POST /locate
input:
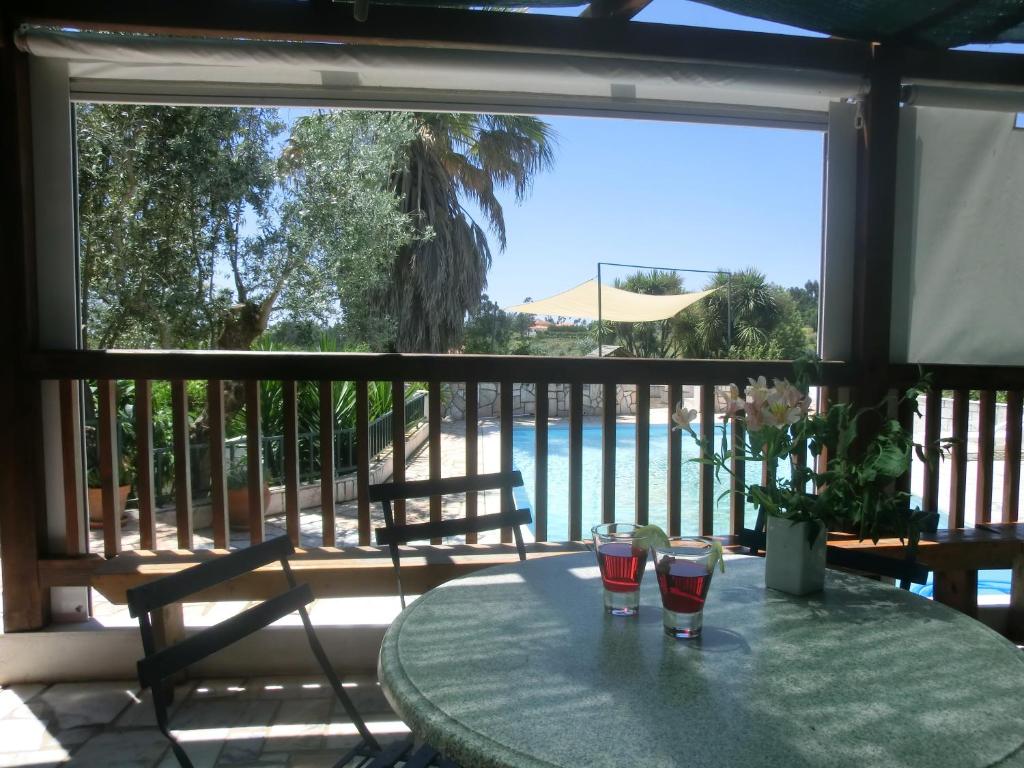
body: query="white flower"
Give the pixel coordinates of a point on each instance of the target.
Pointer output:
(734, 404)
(682, 417)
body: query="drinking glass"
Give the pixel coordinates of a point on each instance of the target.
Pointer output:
(684, 571)
(621, 558)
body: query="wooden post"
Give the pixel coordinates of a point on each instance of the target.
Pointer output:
(22, 488)
(608, 453)
(327, 462)
(576, 461)
(505, 435)
(254, 460)
(106, 393)
(540, 498)
(182, 463)
(675, 457)
(706, 518)
(643, 454)
(363, 462)
(144, 463)
(958, 589)
(434, 446)
(218, 473)
(71, 465)
(291, 459)
(472, 448)
(398, 444)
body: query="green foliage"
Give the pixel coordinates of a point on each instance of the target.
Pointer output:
(654, 339)
(489, 330)
(806, 301)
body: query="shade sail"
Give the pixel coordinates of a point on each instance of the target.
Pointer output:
(615, 304)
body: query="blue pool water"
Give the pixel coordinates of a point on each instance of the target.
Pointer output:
(993, 582)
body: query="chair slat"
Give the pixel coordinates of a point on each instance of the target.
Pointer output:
(168, 661)
(218, 473)
(1011, 463)
(675, 459)
(505, 450)
(575, 461)
(175, 587)
(455, 527)
(419, 489)
(643, 454)
(290, 406)
(608, 453)
(540, 496)
(326, 393)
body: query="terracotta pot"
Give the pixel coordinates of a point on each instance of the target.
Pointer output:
(238, 506)
(96, 504)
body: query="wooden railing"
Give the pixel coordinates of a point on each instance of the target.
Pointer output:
(956, 560)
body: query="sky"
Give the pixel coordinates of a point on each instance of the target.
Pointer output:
(687, 196)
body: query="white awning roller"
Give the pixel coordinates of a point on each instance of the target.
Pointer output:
(591, 300)
(107, 67)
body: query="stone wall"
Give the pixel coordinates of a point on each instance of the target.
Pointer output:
(524, 399)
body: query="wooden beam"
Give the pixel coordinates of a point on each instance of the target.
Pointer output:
(357, 366)
(22, 485)
(623, 10)
(448, 28)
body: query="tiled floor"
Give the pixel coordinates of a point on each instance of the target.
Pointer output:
(267, 721)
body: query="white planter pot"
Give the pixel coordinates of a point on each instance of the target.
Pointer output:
(792, 564)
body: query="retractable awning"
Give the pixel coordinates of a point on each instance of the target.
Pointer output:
(615, 304)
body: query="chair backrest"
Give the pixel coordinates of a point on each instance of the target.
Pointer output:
(160, 664)
(393, 534)
(906, 570)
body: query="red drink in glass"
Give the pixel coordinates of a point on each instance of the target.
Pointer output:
(684, 576)
(684, 584)
(622, 566)
(621, 558)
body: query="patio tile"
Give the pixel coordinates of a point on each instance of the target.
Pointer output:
(140, 712)
(71, 705)
(224, 713)
(203, 754)
(40, 759)
(300, 725)
(13, 698)
(243, 749)
(321, 759)
(122, 749)
(24, 735)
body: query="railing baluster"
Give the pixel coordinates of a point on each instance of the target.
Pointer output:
(737, 498)
(290, 404)
(932, 427)
(144, 485)
(363, 461)
(986, 456)
(398, 444)
(958, 460)
(608, 453)
(71, 453)
(675, 459)
(218, 474)
(824, 396)
(1011, 458)
(643, 453)
(109, 476)
(707, 471)
(905, 413)
(472, 447)
(540, 501)
(434, 442)
(254, 459)
(575, 461)
(505, 434)
(182, 463)
(325, 390)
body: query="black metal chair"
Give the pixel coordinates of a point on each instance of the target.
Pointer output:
(158, 666)
(394, 535)
(907, 570)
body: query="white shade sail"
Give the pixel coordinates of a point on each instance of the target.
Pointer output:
(615, 304)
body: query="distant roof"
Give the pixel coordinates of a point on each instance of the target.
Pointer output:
(608, 350)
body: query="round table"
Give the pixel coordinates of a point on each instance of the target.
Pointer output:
(518, 666)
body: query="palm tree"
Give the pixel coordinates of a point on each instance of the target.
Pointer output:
(440, 276)
(652, 339)
(740, 316)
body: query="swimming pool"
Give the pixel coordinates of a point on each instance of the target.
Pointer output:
(991, 584)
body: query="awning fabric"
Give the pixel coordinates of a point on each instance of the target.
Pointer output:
(615, 304)
(132, 68)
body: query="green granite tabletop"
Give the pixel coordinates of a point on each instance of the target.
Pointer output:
(519, 666)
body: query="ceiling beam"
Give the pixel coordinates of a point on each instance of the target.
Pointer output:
(448, 28)
(614, 9)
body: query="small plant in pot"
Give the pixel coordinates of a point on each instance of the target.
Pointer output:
(852, 492)
(238, 494)
(94, 483)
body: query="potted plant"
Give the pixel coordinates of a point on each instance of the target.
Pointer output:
(852, 492)
(238, 494)
(126, 477)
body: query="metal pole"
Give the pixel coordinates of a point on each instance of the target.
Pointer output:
(600, 323)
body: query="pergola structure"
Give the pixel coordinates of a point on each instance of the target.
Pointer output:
(41, 521)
